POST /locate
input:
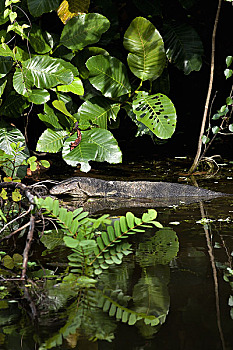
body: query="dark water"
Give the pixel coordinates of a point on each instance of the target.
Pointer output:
(193, 291)
(192, 321)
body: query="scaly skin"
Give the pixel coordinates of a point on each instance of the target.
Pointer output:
(91, 187)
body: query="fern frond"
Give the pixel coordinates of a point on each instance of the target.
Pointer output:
(114, 305)
(110, 248)
(68, 220)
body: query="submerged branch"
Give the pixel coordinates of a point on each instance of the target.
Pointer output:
(215, 277)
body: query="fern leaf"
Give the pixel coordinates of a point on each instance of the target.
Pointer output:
(56, 207)
(115, 304)
(105, 239)
(119, 313)
(123, 224)
(130, 219)
(110, 231)
(117, 228)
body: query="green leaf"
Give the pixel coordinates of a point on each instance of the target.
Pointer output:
(5, 65)
(22, 82)
(71, 242)
(108, 75)
(107, 146)
(5, 51)
(38, 7)
(228, 73)
(51, 141)
(44, 163)
(49, 118)
(229, 60)
(76, 87)
(132, 319)
(84, 30)
(147, 57)
(97, 111)
(81, 154)
(157, 112)
(215, 129)
(184, 47)
(46, 72)
(40, 39)
(216, 116)
(60, 105)
(205, 139)
(149, 216)
(82, 56)
(39, 96)
(229, 101)
(231, 127)
(96, 144)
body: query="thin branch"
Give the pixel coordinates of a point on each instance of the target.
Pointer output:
(16, 231)
(199, 146)
(13, 220)
(28, 246)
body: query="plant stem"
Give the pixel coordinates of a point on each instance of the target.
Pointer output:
(199, 146)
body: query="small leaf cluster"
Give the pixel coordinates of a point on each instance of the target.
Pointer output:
(14, 162)
(223, 115)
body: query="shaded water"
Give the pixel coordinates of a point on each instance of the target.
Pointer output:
(192, 321)
(190, 289)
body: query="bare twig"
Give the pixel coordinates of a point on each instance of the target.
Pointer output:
(28, 246)
(13, 220)
(16, 231)
(199, 146)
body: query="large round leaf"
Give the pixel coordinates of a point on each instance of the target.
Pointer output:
(108, 75)
(46, 72)
(84, 30)
(81, 154)
(96, 144)
(183, 46)
(147, 57)
(38, 7)
(157, 112)
(97, 111)
(51, 141)
(82, 56)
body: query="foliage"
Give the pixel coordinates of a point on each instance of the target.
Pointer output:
(94, 247)
(97, 245)
(223, 115)
(14, 161)
(64, 79)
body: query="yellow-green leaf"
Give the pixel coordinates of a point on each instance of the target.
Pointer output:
(16, 196)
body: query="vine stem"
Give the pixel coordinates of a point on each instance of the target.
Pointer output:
(199, 146)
